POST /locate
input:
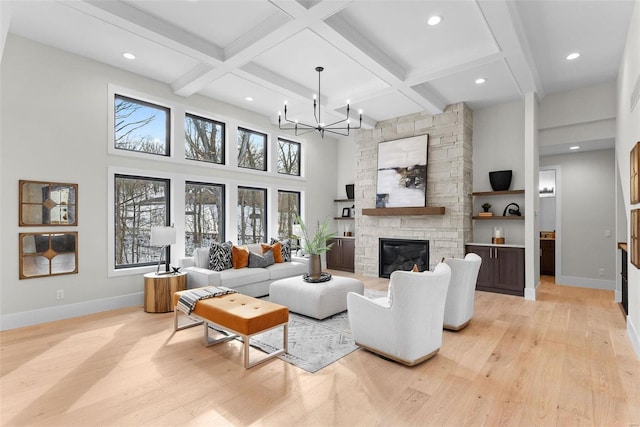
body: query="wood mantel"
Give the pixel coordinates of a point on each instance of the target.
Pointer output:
(429, 210)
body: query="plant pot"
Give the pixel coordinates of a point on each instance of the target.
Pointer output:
(315, 267)
(500, 180)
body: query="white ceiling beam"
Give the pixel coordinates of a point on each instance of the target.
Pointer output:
(508, 32)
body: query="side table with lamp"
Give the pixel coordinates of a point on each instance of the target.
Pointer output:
(160, 286)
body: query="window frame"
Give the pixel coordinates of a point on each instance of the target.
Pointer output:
(265, 159)
(265, 220)
(159, 106)
(223, 148)
(290, 142)
(222, 210)
(167, 222)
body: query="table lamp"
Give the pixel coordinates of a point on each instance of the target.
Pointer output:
(163, 236)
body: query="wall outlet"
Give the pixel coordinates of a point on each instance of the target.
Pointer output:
(60, 294)
(601, 272)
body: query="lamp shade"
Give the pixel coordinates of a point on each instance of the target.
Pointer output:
(163, 236)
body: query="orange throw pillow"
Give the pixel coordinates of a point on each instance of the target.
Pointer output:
(276, 248)
(239, 257)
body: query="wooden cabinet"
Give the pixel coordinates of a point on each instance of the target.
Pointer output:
(548, 257)
(341, 256)
(502, 269)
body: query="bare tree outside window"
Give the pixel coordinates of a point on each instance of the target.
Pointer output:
(203, 214)
(252, 215)
(288, 157)
(141, 126)
(203, 139)
(288, 210)
(252, 149)
(140, 203)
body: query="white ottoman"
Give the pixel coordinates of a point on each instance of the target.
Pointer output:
(317, 300)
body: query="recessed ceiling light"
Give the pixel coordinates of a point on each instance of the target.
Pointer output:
(572, 56)
(434, 20)
(128, 55)
(480, 81)
(574, 147)
(249, 98)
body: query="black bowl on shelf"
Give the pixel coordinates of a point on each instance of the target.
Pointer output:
(500, 180)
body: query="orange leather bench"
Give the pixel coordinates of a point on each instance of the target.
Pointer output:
(239, 314)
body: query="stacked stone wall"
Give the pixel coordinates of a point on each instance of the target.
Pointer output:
(449, 184)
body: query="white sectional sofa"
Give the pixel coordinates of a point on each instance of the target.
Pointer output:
(249, 281)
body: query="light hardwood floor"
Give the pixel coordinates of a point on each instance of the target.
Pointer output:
(562, 360)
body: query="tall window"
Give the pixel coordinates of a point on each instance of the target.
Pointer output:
(288, 208)
(203, 139)
(288, 157)
(141, 126)
(252, 149)
(203, 215)
(140, 203)
(252, 215)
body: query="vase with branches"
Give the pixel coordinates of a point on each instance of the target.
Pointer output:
(315, 244)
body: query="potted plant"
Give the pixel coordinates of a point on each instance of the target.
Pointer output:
(315, 244)
(486, 207)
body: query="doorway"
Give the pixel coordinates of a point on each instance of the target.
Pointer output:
(550, 221)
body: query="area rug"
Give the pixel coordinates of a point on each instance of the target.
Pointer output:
(313, 344)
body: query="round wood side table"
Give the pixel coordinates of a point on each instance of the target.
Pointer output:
(159, 290)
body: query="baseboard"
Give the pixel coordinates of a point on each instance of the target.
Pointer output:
(584, 282)
(50, 314)
(634, 337)
(617, 296)
(531, 293)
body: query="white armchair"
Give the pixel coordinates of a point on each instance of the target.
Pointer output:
(406, 325)
(459, 307)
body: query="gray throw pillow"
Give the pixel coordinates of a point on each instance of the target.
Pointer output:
(261, 261)
(220, 256)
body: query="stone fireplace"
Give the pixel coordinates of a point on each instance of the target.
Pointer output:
(449, 185)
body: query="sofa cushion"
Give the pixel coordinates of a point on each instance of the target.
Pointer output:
(261, 261)
(286, 269)
(240, 256)
(220, 256)
(285, 248)
(244, 276)
(276, 250)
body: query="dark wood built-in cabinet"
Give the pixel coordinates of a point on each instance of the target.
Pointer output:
(548, 257)
(341, 256)
(502, 269)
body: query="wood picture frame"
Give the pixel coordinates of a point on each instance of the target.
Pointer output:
(45, 203)
(635, 238)
(48, 254)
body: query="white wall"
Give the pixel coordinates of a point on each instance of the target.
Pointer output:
(587, 197)
(627, 134)
(54, 128)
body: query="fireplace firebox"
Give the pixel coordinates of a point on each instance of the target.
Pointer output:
(402, 254)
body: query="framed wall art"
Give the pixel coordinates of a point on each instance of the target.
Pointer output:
(43, 203)
(48, 254)
(402, 172)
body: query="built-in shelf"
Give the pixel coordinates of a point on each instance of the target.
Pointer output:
(338, 218)
(429, 210)
(500, 217)
(497, 193)
(343, 200)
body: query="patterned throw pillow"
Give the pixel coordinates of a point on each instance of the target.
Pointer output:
(220, 256)
(286, 248)
(261, 261)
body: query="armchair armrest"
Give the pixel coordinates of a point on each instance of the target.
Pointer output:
(198, 277)
(369, 319)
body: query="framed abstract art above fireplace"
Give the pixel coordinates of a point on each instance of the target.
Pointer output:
(402, 172)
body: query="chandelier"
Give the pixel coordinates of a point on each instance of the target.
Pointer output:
(341, 127)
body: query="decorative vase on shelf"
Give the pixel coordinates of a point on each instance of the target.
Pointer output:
(500, 180)
(350, 189)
